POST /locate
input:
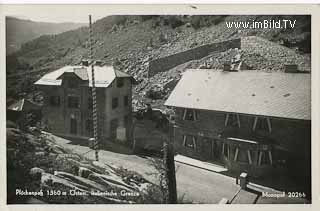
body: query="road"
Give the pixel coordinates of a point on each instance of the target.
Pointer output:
(193, 184)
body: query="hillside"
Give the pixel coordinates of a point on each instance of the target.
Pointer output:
(41, 171)
(131, 42)
(20, 31)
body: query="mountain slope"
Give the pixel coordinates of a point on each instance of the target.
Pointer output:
(19, 31)
(130, 42)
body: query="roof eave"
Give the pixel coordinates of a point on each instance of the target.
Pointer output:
(261, 115)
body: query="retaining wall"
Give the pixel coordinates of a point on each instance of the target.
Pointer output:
(168, 62)
(269, 50)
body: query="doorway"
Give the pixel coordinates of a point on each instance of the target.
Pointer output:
(73, 126)
(113, 129)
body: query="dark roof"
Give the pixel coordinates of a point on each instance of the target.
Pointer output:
(23, 105)
(284, 95)
(121, 74)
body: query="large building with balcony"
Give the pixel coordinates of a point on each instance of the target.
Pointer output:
(67, 108)
(248, 121)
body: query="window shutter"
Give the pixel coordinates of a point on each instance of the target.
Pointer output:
(255, 123)
(238, 120)
(269, 125)
(184, 114)
(184, 140)
(249, 157)
(195, 117)
(194, 143)
(226, 120)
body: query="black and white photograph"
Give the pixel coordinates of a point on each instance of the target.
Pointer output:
(160, 108)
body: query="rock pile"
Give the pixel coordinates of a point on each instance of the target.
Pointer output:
(66, 177)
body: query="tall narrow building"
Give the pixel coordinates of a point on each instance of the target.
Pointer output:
(67, 106)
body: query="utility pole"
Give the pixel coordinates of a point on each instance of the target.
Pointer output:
(170, 167)
(94, 97)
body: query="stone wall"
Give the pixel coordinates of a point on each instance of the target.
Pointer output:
(272, 52)
(168, 62)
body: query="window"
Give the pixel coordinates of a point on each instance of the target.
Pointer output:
(114, 102)
(189, 141)
(243, 156)
(90, 103)
(265, 158)
(73, 126)
(262, 124)
(190, 114)
(73, 102)
(73, 83)
(225, 149)
(125, 100)
(55, 100)
(120, 82)
(232, 120)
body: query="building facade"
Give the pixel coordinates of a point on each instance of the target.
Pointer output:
(247, 121)
(68, 105)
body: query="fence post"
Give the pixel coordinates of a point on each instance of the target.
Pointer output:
(170, 169)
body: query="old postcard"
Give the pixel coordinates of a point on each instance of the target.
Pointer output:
(189, 104)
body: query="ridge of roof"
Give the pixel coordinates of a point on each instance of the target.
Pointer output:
(104, 75)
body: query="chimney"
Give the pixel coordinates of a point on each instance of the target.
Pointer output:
(291, 68)
(85, 62)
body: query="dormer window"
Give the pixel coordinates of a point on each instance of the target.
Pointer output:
(190, 114)
(73, 102)
(73, 83)
(232, 120)
(262, 124)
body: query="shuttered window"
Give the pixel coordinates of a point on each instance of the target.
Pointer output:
(190, 114)
(190, 141)
(55, 101)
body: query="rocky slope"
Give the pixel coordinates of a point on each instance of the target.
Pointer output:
(130, 42)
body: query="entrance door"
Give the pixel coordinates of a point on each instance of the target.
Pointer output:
(113, 129)
(73, 126)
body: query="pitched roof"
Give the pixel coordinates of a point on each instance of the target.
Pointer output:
(285, 95)
(104, 75)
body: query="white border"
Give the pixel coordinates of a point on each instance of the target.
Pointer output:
(176, 9)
